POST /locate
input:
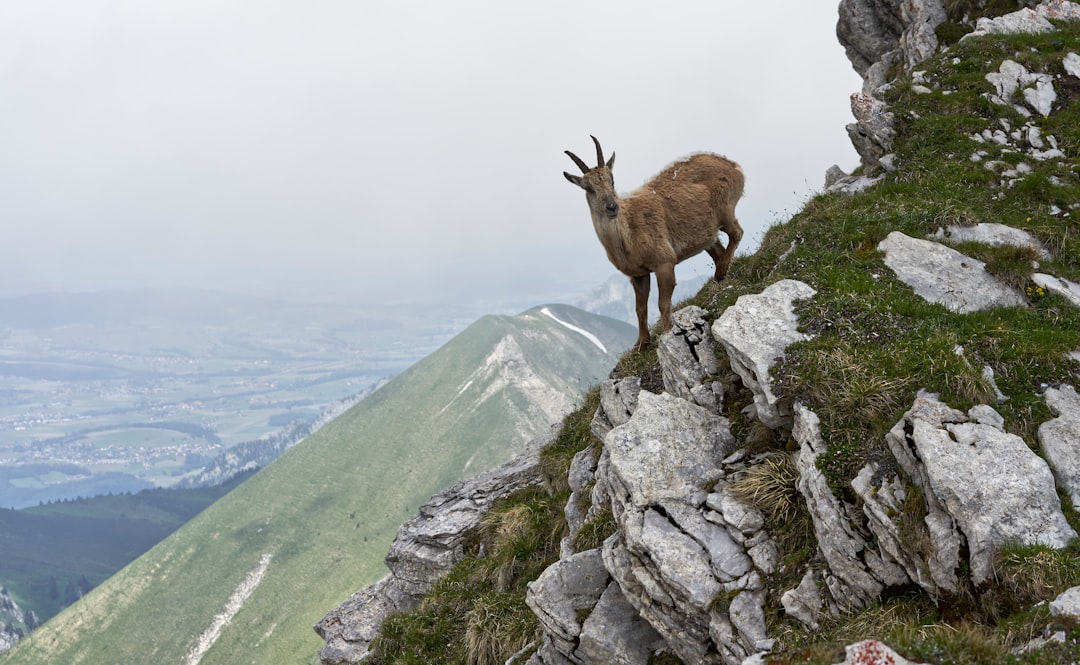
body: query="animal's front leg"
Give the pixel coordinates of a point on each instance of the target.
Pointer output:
(665, 286)
(641, 306)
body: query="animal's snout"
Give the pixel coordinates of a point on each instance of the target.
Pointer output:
(612, 208)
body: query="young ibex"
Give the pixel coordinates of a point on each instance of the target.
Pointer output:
(674, 216)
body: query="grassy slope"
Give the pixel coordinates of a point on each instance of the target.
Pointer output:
(88, 539)
(325, 511)
(875, 345)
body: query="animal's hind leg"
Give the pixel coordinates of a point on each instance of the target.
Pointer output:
(722, 255)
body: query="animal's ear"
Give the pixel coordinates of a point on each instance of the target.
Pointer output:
(576, 179)
(611, 161)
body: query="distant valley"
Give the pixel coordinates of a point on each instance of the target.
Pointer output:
(122, 391)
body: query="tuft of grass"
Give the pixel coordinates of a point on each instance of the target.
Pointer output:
(770, 487)
(594, 532)
(1027, 575)
(573, 437)
(498, 626)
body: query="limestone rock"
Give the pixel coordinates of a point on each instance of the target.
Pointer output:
(804, 602)
(995, 235)
(618, 399)
(687, 355)
(424, 550)
(984, 482)
(614, 633)
(868, 30)
(882, 37)
(1027, 20)
(1071, 62)
(872, 133)
(1059, 285)
(582, 471)
(562, 590)
(675, 551)
(878, 35)
(755, 331)
(843, 547)
(872, 652)
(943, 275)
(669, 449)
(1037, 89)
(1060, 439)
(1067, 605)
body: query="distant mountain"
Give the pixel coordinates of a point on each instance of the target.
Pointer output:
(246, 579)
(615, 297)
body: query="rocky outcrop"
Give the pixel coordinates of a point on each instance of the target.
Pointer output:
(754, 332)
(685, 570)
(1059, 439)
(691, 564)
(14, 622)
(424, 550)
(882, 39)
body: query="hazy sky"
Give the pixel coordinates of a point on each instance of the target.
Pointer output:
(390, 148)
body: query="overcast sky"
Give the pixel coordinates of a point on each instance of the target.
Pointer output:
(387, 149)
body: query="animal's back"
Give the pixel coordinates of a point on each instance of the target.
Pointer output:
(723, 177)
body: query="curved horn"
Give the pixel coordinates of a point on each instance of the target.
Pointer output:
(577, 160)
(599, 152)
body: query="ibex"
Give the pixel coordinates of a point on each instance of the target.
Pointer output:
(676, 215)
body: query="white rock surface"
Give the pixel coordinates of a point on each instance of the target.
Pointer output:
(1059, 285)
(993, 234)
(940, 274)
(1060, 439)
(755, 331)
(979, 481)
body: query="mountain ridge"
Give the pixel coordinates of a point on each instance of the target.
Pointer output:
(301, 522)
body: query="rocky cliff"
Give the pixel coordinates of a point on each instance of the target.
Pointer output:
(872, 429)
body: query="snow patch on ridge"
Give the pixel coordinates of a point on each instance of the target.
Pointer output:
(588, 335)
(232, 606)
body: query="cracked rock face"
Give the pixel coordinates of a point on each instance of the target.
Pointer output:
(423, 551)
(1060, 439)
(688, 360)
(857, 574)
(880, 38)
(755, 332)
(979, 482)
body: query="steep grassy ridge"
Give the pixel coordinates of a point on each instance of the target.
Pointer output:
(323, 514)
(74, 545)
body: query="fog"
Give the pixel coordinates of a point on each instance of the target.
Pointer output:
(403, 150)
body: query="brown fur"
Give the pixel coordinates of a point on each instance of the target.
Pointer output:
(676, 215)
